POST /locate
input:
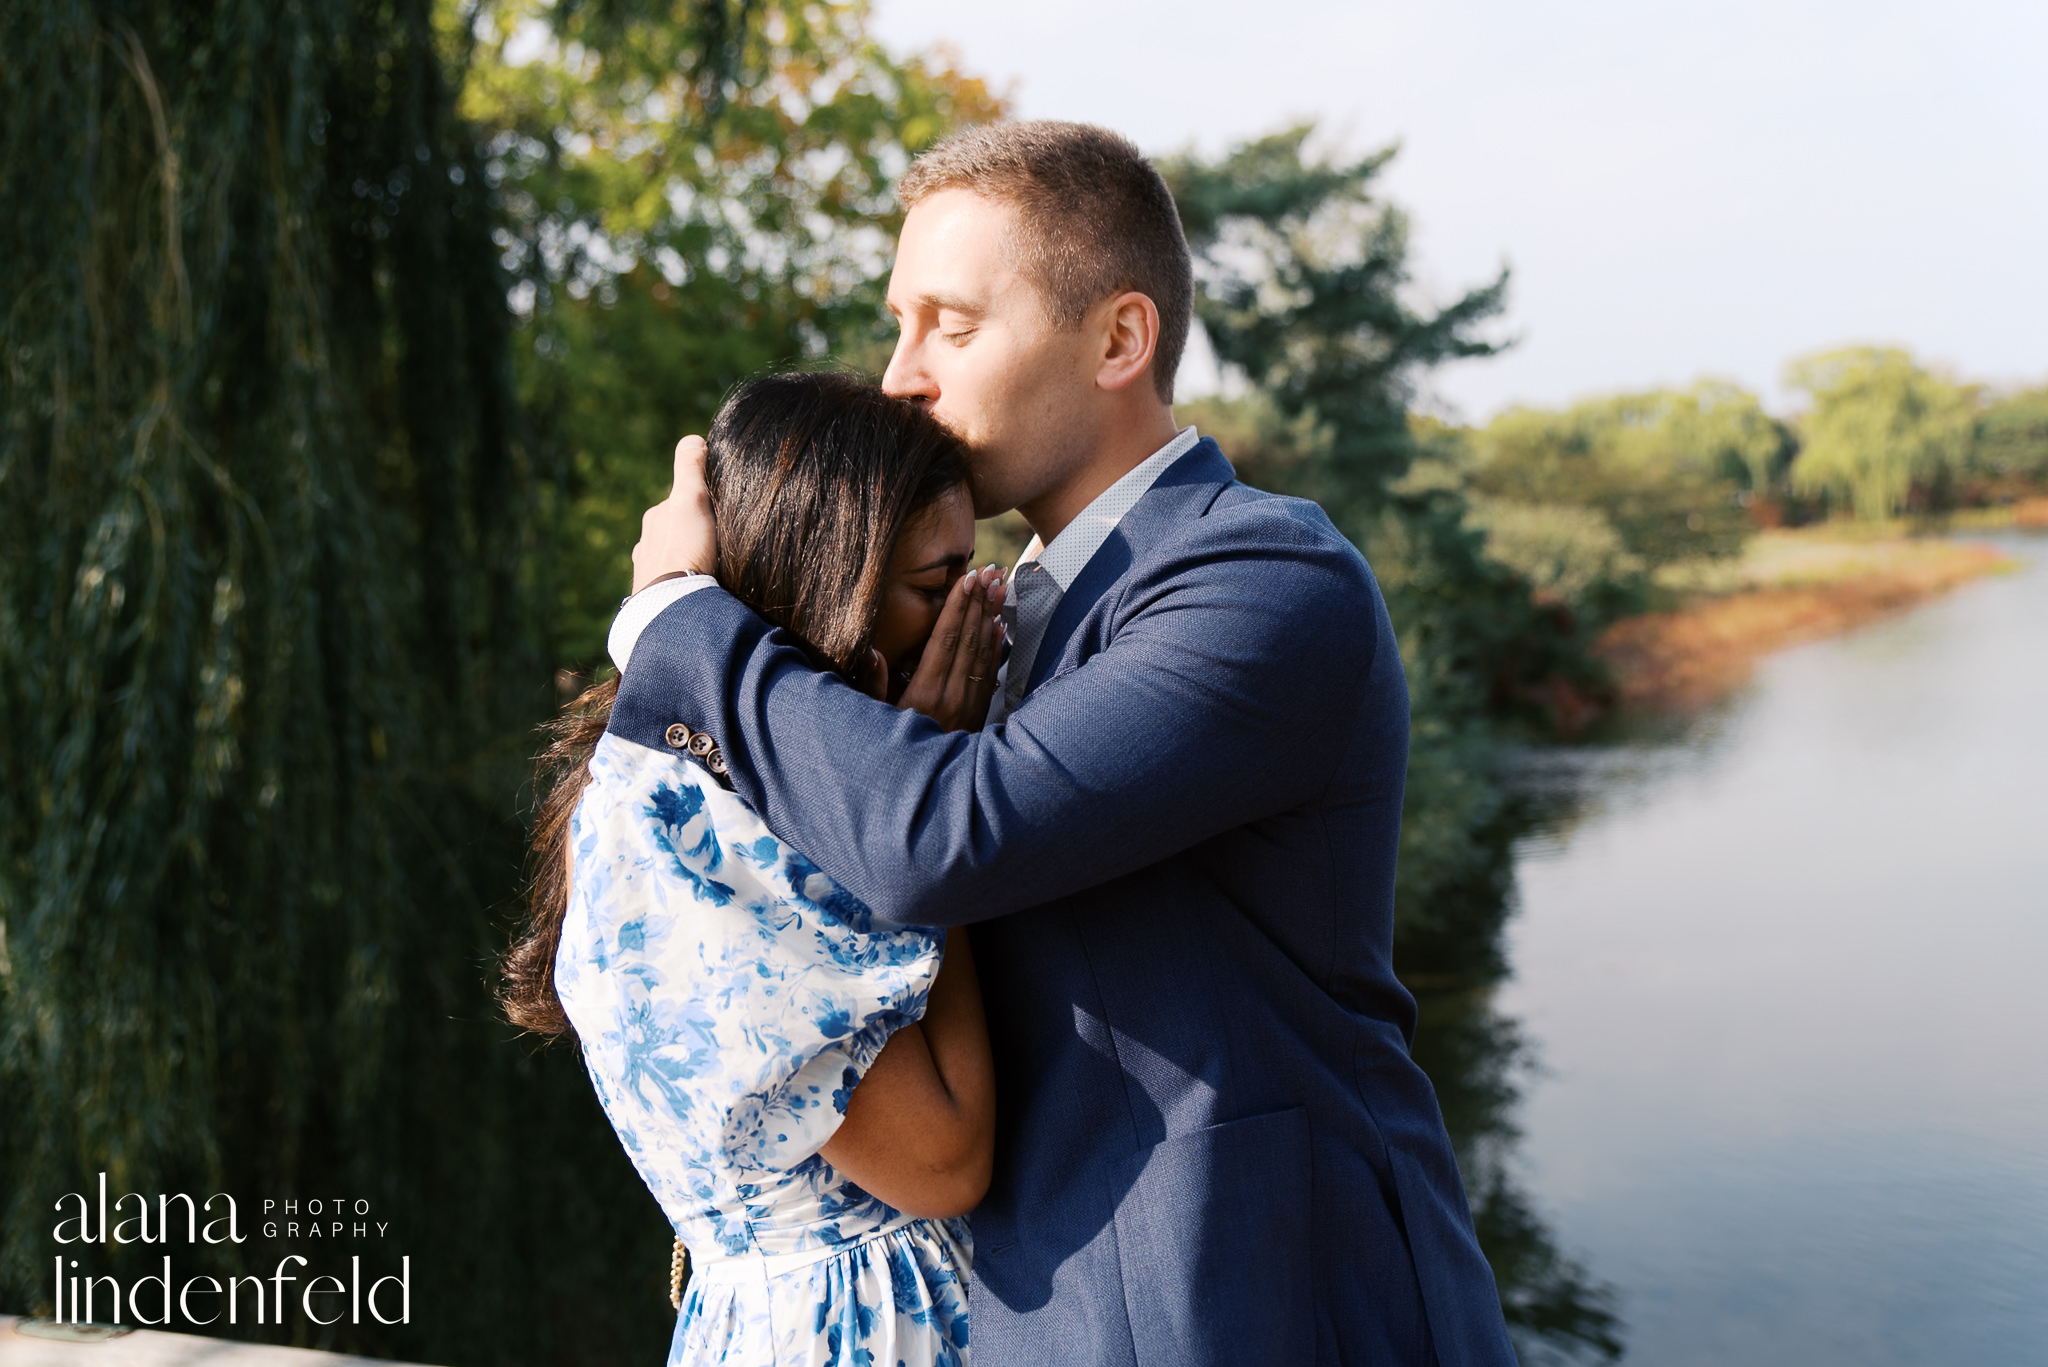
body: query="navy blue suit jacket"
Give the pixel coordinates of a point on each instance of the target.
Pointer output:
(1213, 1146)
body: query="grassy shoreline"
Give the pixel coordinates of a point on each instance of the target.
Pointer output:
(1791, 587)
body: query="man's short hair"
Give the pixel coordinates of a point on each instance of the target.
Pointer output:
(1093, 219)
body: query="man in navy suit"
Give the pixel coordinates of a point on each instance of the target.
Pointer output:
(1175, 837)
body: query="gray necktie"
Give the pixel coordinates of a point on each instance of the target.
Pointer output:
(1034, 593)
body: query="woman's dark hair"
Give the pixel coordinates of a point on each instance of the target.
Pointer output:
(812, 477)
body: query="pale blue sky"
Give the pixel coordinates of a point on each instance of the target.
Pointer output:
(1681, 190)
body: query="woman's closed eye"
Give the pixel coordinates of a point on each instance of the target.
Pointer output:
(930, 557)
(935, 578)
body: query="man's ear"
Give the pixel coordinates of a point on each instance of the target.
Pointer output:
(1130, 335)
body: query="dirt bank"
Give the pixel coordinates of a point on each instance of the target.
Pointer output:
(1791, 587)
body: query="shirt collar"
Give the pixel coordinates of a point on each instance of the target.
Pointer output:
(1077, 543)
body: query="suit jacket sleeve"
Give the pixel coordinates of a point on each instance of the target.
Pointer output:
(1226, 691)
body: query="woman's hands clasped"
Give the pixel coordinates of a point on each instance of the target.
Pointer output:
(955, 679)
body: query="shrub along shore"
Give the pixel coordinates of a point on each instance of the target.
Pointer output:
(1789, 587)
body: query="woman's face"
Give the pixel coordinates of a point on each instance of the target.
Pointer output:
(931, 554)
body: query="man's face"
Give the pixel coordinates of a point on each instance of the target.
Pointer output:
(976, 345)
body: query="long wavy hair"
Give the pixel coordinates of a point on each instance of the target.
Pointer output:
(812, 477)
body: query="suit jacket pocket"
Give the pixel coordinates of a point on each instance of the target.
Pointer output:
(1213, 1236)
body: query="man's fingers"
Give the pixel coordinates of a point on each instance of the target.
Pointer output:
(690, 455)
(678, 534)
(690, 490)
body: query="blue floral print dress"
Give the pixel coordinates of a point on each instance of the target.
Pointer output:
(728, 995)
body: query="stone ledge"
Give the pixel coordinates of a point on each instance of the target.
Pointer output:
(154, 1348)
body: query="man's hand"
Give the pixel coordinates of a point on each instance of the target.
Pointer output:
(677, 535)
(956, 676)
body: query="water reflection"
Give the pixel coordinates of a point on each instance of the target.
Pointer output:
(1782, 969)
(1477, 1057)
(1479, 1061)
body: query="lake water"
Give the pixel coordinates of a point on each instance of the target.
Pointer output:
(1787, 976)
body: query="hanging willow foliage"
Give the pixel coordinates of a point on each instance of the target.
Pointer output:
(270, 660)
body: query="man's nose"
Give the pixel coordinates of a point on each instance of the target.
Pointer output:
(907, 377)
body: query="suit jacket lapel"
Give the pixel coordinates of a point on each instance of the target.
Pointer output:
(1184, 489)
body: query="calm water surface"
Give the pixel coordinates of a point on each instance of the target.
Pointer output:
(1788, 976)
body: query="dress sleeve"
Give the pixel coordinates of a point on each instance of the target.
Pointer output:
(716, 975)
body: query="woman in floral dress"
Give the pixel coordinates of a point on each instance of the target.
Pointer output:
(805, 1094)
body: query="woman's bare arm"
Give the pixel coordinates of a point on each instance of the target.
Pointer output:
(919, 1131)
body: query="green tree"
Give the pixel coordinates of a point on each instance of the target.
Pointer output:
(1303, 273)
(1720, 421)
(274, 638)
(1569, 554)
(1653, 466)
(672, 233)
(2011, 441)
(1878, 423)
